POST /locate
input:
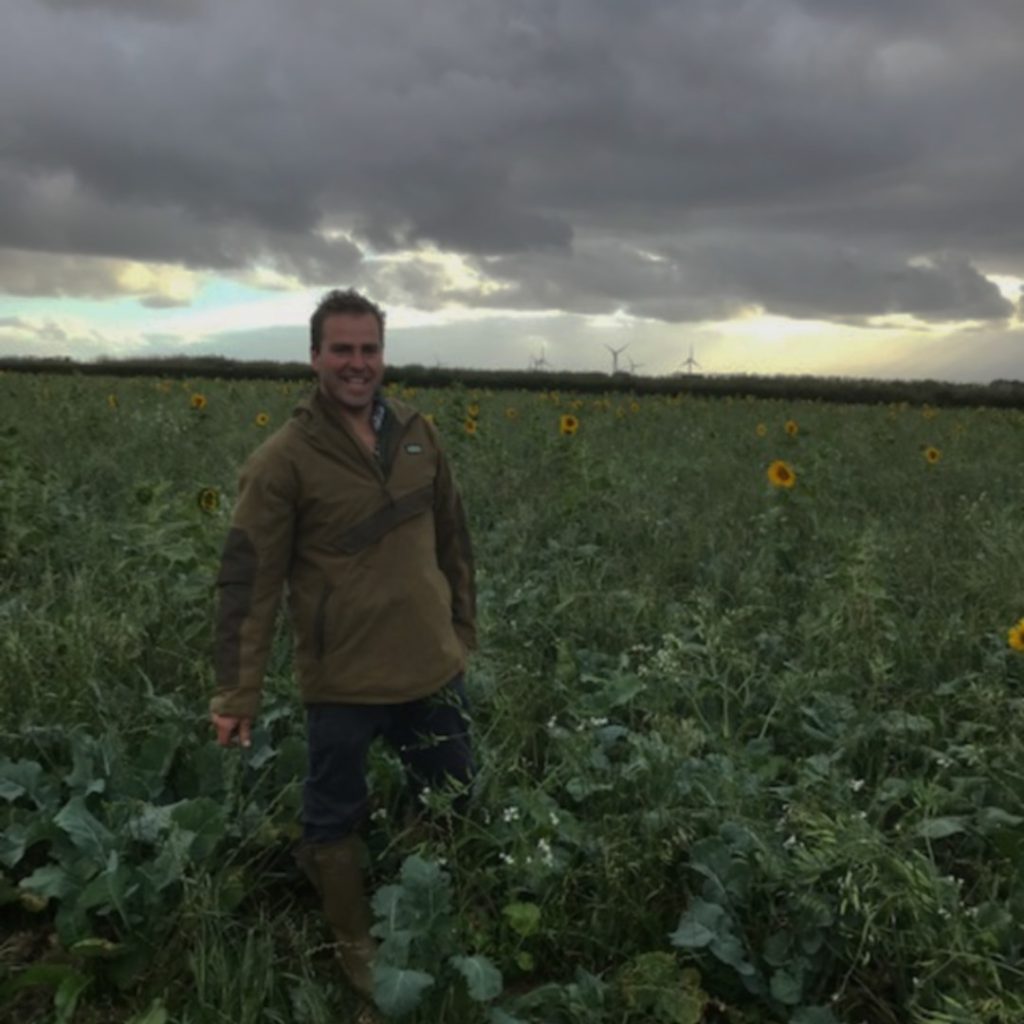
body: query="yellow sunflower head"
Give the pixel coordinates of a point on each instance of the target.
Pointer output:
(473, 410)
(780, 474)
(568, 425)
(470, 426)
(761, 430)
(208, 499)
(634, 407)
(792, 428)
(112, 401)
(511, 413)
(932, 455)
(197, 401)
(1015, 636)
(262, 419)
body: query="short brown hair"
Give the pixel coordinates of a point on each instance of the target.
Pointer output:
(348, 302)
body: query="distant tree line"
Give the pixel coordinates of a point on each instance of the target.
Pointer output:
(999, 393)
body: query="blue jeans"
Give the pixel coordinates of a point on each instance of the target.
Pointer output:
(430, 735)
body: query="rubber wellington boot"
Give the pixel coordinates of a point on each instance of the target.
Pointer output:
(336, 871)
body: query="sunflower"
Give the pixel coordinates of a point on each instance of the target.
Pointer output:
(112, 401)
(761, 430)
(568, 425)
(208, 499)
(473, 410)
(780, 474)
(932, 455)
(792, 428)
(197, 401)
(262, 419)
(1015, 636)
(511, 413)
(634, 407)
(469, 426)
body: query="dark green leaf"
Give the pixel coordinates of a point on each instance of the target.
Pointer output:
(482, 977)
(87, 832)
(397, 991)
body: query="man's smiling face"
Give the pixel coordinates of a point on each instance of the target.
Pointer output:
(350, 361)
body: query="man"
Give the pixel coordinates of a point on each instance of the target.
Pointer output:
(352, 506)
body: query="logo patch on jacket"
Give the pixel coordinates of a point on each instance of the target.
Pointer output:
(414, 449)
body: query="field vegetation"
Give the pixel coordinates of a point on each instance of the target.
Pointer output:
(748, 711)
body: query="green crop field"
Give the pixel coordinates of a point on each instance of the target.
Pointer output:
(748, 710)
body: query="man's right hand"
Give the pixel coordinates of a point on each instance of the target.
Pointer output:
(228, 726)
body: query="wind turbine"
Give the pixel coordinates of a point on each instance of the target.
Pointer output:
(615, 356)
(690, 363)
(540, 362)
(634, 366)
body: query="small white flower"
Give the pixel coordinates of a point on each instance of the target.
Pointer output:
(790, 842)
(856, 785)
(506, 858)
(544, 849)
(597, 723)
(425, 795)
(510, 814)
(555, 820)
(379, 815)
(552, 722)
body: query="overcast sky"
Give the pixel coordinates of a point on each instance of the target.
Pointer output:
(780, 186)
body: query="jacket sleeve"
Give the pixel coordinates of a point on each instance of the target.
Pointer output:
(455, 552)
(253, 568)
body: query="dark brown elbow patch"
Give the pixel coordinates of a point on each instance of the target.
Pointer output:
(384, 520)
(234, 583)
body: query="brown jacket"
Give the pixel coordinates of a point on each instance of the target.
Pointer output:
(375, 555)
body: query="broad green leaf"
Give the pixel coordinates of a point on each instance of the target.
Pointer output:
(787, 986)
(28, 779)
(397, 991)
(88, 771)
(730, 951)
(482, 977)
(13, 844)
(48, 975)
(150, 823)
(992, 819)
(700, 924)
(813, 1015)
(940, 828)
(18, 778)
(420, 873)
(204, 820)
(50, 881)
(155, 1013)
(523, 918)
(65, 999)
(87, 832)
(691, 935)
(499, 1016)
(776, 948)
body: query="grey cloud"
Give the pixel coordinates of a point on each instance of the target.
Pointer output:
(20, 337)
(552, 141)
(175, 10)
(721, 276)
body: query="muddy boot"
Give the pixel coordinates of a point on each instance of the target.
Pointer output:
(336, 871)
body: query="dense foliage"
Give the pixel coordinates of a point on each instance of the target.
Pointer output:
(748, 712)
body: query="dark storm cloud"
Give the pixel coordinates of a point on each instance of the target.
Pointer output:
(681, 159)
